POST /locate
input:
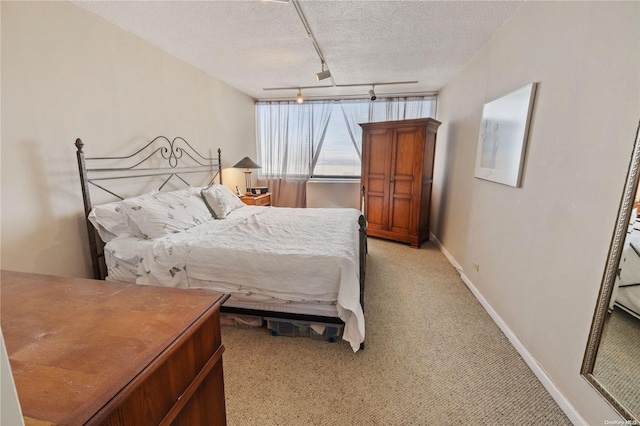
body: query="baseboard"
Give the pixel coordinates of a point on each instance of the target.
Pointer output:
(548, 383)
(444, 251)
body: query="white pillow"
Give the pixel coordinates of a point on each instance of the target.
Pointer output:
(164, 213)
(110, 221)
(220, 200)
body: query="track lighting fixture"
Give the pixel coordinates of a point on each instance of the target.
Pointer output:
(325, 73)
(372, 94)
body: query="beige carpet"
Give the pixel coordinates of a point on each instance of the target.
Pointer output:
(433, 357)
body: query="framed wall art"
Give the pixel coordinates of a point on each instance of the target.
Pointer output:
(503, 136)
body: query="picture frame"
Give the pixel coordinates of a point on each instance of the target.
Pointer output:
(504, 130)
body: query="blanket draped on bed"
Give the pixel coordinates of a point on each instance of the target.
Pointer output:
(264, 253)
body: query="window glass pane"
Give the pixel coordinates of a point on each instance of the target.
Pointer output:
(338, 156)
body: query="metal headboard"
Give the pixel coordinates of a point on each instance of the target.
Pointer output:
(176, 158)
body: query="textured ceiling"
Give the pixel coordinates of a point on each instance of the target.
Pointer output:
(253, 44)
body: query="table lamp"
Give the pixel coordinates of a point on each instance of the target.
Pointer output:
(247, 164)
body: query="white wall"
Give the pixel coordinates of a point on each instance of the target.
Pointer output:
(542, 247)
(333, 193)
(67, 73)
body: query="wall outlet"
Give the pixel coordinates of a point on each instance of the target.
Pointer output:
(476, 266)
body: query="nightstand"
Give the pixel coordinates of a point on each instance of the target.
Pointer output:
(257, 200)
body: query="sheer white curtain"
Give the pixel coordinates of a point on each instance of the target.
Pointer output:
(355, 112)
(386, 109)
(289, 137)
(401, 108)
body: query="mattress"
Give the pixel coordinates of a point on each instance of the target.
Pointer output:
(290, 260)
(628, 298)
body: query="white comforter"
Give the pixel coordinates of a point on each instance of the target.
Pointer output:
(627, 291)
(288, 254)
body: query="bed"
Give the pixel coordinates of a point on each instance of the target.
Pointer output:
(178, 226)
(626, 290)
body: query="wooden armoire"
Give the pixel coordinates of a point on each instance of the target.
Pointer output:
(397, 175)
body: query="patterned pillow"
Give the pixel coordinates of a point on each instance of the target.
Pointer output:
(220, 200)
(164, 213)
(110, 221)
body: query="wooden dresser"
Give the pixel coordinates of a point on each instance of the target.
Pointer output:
(397, 173)
(95, 352)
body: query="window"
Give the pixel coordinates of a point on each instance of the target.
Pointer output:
(338, 156)
(294, 144)
(340, 152)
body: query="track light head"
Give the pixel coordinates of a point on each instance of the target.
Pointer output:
(372, 95)
(323, 75)
(299, 98)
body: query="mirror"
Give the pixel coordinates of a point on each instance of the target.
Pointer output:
(612, 357)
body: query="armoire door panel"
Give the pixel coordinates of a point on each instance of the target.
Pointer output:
(374, 211)
(379, 151)
(400, 218)
(402, 186)
(407, 148)
(376, 150)
(376, 184)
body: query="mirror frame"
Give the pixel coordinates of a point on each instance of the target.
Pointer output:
(608, 280)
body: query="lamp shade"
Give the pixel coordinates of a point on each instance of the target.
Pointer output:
(246, 163)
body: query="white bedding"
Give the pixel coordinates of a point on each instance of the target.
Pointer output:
(626, 291)
(259, 255)
(628, 298)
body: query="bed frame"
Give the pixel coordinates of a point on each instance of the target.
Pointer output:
(173, 159)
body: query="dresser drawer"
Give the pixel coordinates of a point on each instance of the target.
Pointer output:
(263, 201)
(184, 385)
(258, 200)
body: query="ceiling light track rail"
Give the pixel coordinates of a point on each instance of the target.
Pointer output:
(339, 85)
(351, 97)
(324, 73)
